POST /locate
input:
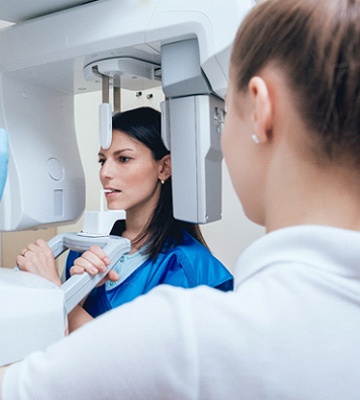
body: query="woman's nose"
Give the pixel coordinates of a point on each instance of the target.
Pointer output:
(107, 170)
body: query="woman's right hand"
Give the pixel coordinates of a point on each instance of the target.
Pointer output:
(94, 261)
(38, 259)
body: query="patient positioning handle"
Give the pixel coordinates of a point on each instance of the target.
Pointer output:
(78, 286)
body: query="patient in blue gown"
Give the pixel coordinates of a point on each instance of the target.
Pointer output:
(135, 173)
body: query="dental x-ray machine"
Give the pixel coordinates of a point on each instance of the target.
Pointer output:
(59, 48)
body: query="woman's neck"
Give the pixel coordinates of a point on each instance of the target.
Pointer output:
(313, 195)
(136, 223)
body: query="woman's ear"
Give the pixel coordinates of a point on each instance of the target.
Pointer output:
(165, 167)
(262, 109)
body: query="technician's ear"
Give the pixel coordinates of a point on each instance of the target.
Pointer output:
(165, 167)
(261, 118)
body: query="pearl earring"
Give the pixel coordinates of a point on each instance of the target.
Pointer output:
(162, 181)
(255, 139)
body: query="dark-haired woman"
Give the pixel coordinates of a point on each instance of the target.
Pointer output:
(136, 173)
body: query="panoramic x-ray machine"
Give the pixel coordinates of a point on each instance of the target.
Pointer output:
(59, 48)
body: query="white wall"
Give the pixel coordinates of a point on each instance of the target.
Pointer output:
(226, 238)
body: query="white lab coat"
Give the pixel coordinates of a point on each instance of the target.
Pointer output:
(291, 330)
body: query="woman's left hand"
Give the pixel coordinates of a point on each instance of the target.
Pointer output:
(94, 261)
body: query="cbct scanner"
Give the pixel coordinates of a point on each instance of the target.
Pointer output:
(58, 48)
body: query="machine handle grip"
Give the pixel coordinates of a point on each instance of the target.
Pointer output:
(78, 286)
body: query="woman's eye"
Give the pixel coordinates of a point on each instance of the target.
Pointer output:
(124, 159)
(101, 162)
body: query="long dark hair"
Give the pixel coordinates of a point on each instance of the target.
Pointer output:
(163, 231)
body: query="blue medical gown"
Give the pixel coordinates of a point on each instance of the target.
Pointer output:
(188, 264)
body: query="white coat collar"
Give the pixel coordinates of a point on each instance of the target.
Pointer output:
(333, 249)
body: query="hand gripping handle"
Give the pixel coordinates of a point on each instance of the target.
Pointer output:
(78, 286)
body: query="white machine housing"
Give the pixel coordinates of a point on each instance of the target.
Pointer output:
(184, 46)
(34, 311)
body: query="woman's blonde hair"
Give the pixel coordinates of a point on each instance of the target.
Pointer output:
(317, 44)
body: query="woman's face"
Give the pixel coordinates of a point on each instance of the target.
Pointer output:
(131, 174)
